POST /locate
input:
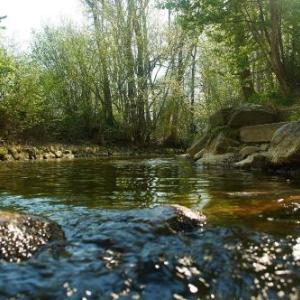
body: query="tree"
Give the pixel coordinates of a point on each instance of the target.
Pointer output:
(267, 27)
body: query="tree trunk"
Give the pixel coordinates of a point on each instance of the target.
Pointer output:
(99, 27)
(276, 45)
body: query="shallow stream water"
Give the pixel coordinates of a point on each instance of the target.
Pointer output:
(249, 247)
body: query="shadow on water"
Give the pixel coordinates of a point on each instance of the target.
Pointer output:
(250, 246)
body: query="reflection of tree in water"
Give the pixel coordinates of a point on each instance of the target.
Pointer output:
(92, 183)
(225, 195)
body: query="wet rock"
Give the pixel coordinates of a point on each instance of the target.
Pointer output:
(249, 150)
(180, 218)
(170, 218)
(220, 160)
(255, 161)
(249, 115)
(285, 145)
(22, 236)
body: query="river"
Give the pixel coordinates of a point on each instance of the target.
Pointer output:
(249, 247)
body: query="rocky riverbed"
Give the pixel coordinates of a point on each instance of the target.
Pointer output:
(124, 239)
(21, 152)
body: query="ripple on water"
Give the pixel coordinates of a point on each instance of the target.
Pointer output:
(249, 249)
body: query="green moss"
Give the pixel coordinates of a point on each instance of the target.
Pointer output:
(3, 153)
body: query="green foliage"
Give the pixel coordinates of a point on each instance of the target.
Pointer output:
(126, 79)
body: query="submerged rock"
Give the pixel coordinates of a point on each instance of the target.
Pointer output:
(22, 236)
(169, 218)
(179, 218)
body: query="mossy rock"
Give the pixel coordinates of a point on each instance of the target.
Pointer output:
(14, 152)
(3, 153)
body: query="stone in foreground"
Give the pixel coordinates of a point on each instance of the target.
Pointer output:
(22, 236)
(169, 219)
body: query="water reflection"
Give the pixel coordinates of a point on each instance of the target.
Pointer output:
(249, 249)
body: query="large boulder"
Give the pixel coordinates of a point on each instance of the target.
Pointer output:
(221, 144)
(22, 236)
(249, 115)
(285, 145)
(259, 133)
(221, 117)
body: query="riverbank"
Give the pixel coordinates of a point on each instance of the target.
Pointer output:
(21, 152)
(249, 137)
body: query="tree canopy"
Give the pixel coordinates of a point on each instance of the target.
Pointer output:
(149, 71)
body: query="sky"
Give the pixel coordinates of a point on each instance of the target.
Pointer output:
(23, 16)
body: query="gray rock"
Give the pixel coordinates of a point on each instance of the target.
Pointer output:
(285, 145)
(250, 115)
(49, 156)
(198, 145)
(259, 133)
(255, 161)
(264, 147)
(22, 236)
(221, 144)
(58, 154)
(249, 150)
(67, 152)
(221, 117)
(199, 155)
(14, 153)
(220, 160)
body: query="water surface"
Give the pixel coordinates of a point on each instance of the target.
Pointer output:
(249, 247)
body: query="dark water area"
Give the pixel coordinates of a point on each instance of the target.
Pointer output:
(249, 247)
